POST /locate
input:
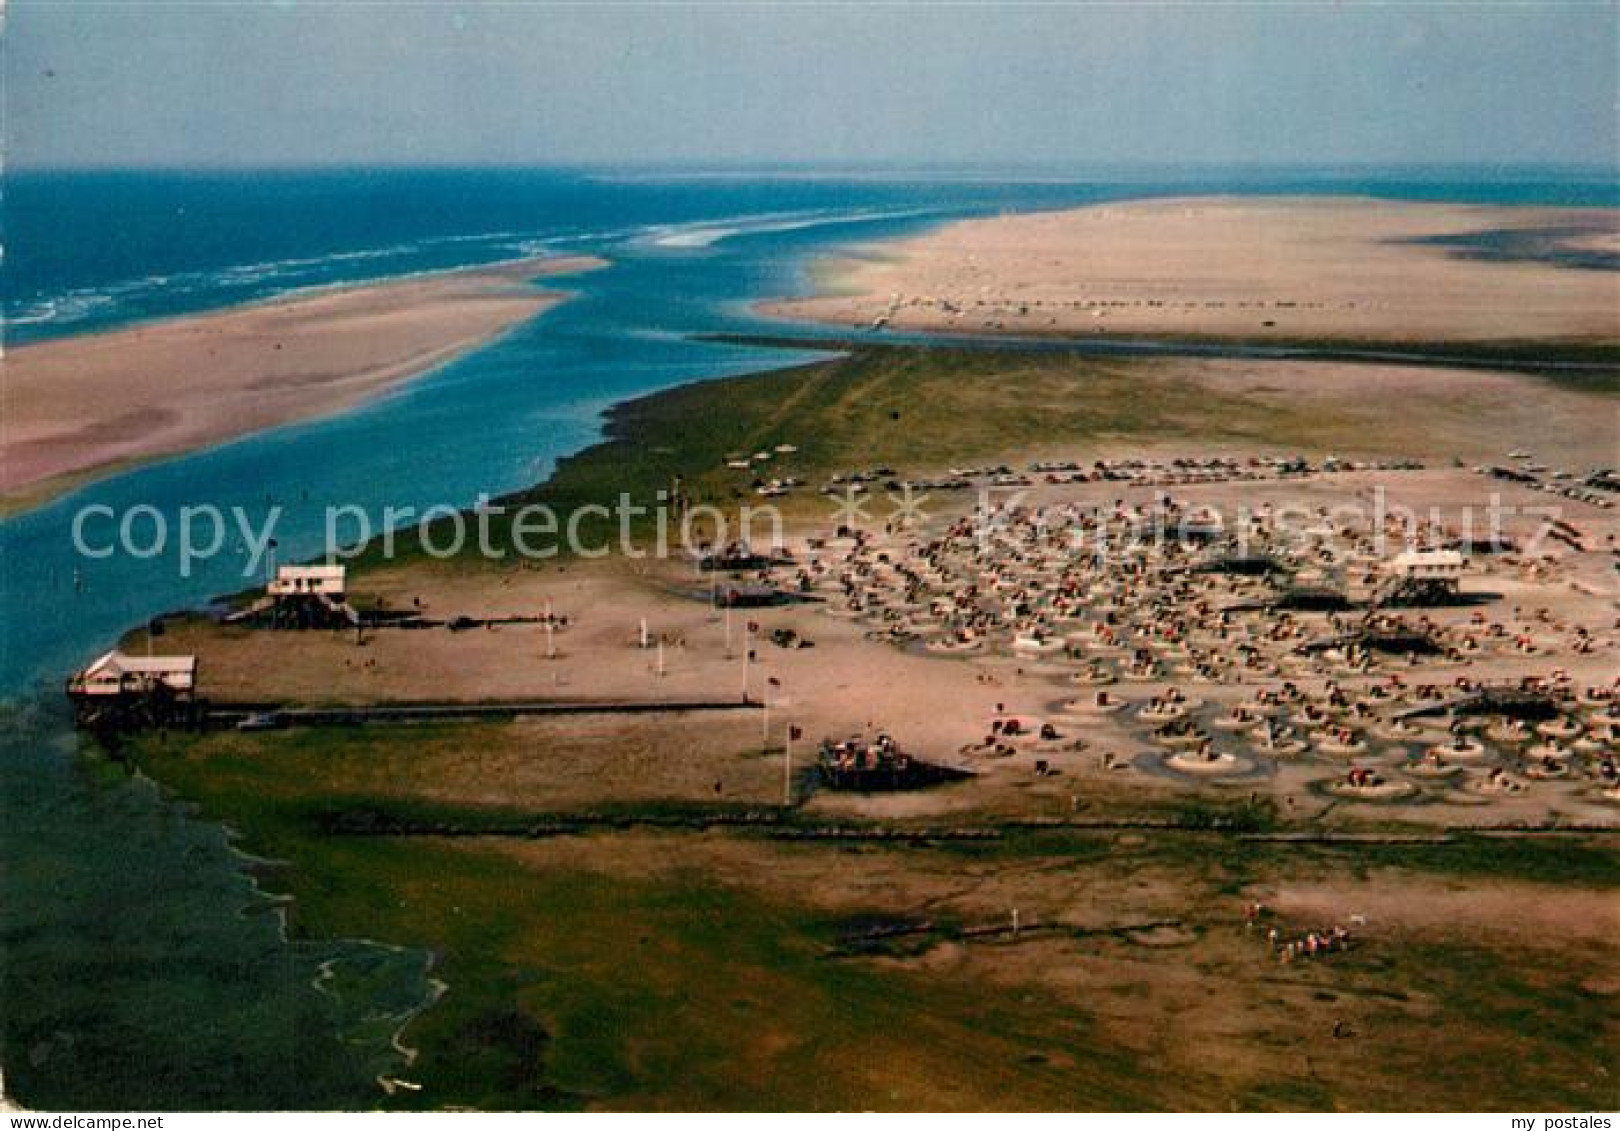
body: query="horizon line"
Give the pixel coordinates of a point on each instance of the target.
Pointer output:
(1046, 166)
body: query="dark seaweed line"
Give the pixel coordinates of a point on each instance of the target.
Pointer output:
(785, 826)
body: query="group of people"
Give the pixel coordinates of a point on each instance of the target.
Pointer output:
(1310, 944)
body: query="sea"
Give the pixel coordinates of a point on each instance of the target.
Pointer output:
(140, 966)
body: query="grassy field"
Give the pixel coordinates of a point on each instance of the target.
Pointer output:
(655, 965)
(912, 408)
(924, 409)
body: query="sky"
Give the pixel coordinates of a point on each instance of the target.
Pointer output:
(292, 83)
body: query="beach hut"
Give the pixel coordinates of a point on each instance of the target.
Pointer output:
(309, 596)
(131, 691)
(326, 580)
(1428, 565)
(1424, 577)
(114, 673)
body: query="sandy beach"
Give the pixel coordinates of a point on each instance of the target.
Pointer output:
(1286, 269)
(1164, 862)
(861, 676)
(81, 406)
(1095, 864)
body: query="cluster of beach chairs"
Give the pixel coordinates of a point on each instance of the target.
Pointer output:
(1145, 472)
(1076, 593)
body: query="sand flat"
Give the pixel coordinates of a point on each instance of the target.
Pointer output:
(78, 406)
(1284, 268)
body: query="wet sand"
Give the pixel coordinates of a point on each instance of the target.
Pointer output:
(79, 407)
(1280, 269)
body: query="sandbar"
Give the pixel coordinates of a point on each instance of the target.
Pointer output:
(77, 408)
(1330, 269)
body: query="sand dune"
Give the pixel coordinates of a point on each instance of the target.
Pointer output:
(79, 406)
(1345, 269)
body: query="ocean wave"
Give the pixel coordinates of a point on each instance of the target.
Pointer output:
(709, 233)
(598, 238)
(70, 307)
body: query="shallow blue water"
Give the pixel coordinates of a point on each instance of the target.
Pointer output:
(96, 867)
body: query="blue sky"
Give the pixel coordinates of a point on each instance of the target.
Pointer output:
(296, 84)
